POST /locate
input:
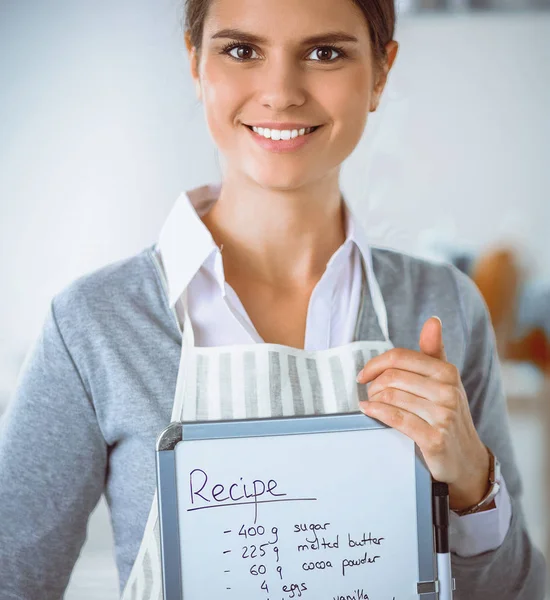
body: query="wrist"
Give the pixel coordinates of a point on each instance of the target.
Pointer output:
(463, 495)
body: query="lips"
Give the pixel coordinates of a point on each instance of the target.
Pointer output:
(282, 146)
(314, 128)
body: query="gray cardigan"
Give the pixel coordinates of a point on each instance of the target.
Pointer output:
(98, 385)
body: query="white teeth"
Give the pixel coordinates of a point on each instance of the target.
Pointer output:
(281, 134)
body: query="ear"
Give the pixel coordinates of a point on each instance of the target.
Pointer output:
(391, 52)
(193, 63)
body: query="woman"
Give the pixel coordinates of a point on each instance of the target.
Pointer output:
(273, 256)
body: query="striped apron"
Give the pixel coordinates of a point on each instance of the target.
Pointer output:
(255, 381)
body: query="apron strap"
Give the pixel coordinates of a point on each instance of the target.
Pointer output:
(377, 298)
(188, 341)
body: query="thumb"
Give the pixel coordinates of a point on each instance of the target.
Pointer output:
(431, 339)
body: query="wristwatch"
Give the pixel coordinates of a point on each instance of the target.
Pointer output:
(494, 487)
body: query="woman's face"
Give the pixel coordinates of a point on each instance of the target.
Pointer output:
(284, 78)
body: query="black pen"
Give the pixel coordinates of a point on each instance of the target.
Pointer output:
(440, 497)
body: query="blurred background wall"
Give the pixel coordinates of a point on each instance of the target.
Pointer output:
(100, 131)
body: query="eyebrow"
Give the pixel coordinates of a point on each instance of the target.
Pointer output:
(329, 36)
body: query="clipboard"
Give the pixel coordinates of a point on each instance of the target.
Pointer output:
(327, 506)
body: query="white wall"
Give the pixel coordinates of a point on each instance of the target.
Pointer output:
(464, 141)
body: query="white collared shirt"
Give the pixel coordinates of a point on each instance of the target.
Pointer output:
(334, 302)
(192, 259)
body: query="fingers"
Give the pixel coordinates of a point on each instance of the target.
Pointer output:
(443, 394)
(397, 400)
(408, 423)
(409, 360)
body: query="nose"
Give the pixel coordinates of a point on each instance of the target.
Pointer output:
(281, 83)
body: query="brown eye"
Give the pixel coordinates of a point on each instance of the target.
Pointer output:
(243, 51)
(324, 54)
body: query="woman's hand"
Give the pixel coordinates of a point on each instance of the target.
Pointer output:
(421, 395)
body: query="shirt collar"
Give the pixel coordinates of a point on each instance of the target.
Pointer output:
(186, 244)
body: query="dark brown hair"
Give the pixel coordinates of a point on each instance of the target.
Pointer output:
(379, 15)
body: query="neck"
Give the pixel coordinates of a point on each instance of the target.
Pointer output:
(281, 238)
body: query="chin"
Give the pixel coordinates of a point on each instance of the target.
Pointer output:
(269, 179)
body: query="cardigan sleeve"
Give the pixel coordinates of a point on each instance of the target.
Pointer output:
(52, 470)
(516, 570)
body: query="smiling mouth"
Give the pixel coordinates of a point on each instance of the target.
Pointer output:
(313, 129)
